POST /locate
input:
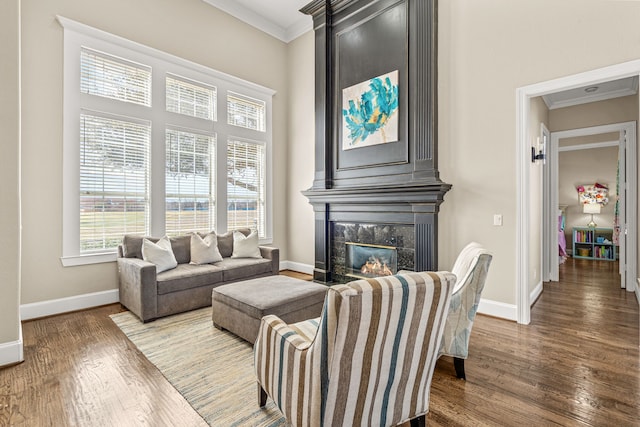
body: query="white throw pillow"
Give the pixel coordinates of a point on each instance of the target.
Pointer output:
(204, 250)
(245, 246)
(159, 254)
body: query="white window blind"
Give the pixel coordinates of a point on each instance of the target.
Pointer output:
(190, 98)
(190, 182)
(115, 78)
(114, 180)
(246, 112)
(246, 185)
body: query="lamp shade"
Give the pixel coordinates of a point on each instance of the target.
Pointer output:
(591, 208)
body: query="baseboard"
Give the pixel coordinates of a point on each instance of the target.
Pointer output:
(533, 296)
(498, 309)
(64, 305)
(12, 352)
(296, 266)
(488, 307)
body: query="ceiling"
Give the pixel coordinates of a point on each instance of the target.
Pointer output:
(592, 93)
(279, 18)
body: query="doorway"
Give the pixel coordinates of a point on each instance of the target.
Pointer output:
(523, 180)
(609, 152)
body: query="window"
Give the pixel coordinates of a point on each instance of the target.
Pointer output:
(114, 181)
(245, 185)
(149, 150)
(189, 182)
(111, 77)
(191, 99)
(245, 112)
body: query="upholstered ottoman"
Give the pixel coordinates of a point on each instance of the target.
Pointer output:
(238, 307)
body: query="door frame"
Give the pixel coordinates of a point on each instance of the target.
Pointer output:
(523, 160)
(628, 197)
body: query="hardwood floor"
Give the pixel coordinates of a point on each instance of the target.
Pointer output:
(577, 363)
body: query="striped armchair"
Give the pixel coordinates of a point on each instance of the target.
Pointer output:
(369, 358)
(471, 268)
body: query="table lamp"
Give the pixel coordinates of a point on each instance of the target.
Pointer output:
(591, 208)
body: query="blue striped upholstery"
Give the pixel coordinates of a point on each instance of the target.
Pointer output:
(369, 358)
(471, 268)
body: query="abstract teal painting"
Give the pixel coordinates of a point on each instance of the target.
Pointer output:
(370, 112)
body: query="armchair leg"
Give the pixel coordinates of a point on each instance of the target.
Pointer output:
(418, 421)
(262, 396)
(458, 363)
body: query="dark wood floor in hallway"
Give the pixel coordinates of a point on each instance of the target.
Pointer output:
(577, 363)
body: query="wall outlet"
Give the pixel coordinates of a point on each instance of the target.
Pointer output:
(497, 219)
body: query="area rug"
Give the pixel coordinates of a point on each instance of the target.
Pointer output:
(212, 369)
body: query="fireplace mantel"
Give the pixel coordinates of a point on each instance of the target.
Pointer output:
(394, 183)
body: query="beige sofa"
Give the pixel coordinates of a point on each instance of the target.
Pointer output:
(150, 295)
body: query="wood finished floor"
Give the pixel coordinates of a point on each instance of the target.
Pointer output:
(577, 363)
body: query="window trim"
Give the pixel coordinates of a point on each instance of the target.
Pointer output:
(77, 35)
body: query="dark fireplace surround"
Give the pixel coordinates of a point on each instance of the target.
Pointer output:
(387, 194)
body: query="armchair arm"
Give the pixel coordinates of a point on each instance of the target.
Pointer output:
(278, 353)
(269, 252)
(462, 311)
(138, 287)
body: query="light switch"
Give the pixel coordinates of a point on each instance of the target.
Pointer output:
(497, 219)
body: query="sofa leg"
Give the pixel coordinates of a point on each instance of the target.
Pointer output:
(418, 421)
(458, 363)
(262, 396)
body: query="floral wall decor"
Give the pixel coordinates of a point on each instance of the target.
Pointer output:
(370, 112)
(593, 193)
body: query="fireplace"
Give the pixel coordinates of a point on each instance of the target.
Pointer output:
(354, 244)
(367, 261)
(387, 193)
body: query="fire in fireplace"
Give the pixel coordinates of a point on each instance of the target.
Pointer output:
(366, 261)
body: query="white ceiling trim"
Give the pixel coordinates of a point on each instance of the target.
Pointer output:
(604, 90)
(249, 16)
(588, 98)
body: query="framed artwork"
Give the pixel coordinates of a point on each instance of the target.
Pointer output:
(370, 112)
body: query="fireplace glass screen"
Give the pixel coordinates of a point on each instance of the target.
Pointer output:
(367, 261)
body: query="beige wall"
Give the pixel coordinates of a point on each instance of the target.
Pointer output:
(593, 165)
(190, 29)
(606, 112)
(9, 172)
(538, 115)
(487, 50)
(300, 158)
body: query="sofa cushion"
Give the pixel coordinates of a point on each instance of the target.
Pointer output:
(159, 254)
(204, 250)
(188, 276)
(245, 246)
(225, 241)
(241, 268)
(182, 248)
(132, 246)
